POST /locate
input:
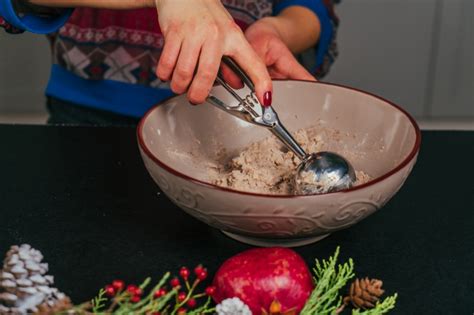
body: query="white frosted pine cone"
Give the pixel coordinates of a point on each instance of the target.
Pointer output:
(233, 306)
(24, 284)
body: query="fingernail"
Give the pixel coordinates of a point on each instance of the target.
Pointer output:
(267, 99)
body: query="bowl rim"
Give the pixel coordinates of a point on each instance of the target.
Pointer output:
(401, 165)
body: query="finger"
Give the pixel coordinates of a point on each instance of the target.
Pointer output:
(168, 58)
(231, 78)
(184, 71)
(275, 74)
(290, 68)
(249, 61)
(298, 72)
(209, 62)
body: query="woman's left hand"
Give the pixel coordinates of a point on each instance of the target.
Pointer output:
(265, 39)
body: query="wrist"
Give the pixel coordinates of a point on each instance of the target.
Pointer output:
(160, 4)
(276, 26)
(148, 3)
(157, 3)
(265, 26)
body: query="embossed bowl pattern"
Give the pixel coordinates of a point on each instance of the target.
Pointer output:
(177, 140)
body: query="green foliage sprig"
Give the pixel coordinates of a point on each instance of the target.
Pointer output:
(99, 301)
(122, 303)
(380, 308)
(330, 278)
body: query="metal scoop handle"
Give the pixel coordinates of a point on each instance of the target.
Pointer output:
(271, 117)
(248, 108)
(239, 71)
(252, 111)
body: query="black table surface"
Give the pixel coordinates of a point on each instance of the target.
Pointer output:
(82, 196)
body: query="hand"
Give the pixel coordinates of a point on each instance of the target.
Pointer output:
(197, 34)
(265, 39)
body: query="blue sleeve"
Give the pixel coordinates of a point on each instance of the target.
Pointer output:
(327, 35)
(30, 22)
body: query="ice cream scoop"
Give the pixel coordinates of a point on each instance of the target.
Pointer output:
(319, 172)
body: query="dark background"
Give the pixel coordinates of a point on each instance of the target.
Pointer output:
(83, 197)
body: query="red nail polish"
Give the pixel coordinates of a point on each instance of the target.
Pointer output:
(267, 99)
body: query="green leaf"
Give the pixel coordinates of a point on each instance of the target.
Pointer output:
(148, 303)
(163, 302)
(380, 308)
(205, 309)
(150, 297)
(98, 303)
(329, 279)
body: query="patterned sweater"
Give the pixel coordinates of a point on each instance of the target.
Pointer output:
(106, 59)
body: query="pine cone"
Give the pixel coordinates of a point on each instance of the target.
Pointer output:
(23, 282)
(364, 293)
(54, 307)
(233, 306)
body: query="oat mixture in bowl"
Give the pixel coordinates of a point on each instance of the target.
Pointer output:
(268, 167)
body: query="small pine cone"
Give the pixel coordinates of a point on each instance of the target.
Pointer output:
(24, 284)
(364, 293)
(59, 306)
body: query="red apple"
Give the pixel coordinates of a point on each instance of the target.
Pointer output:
(261, 276)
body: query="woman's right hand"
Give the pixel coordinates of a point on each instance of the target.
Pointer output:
(197, 34)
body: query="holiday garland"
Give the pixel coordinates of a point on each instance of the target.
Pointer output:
(25, 289)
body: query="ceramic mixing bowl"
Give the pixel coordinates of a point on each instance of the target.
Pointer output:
(177, 141)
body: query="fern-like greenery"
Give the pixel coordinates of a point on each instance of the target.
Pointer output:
(98, 302)
(380, 308)
(121, 304)
(329, 279)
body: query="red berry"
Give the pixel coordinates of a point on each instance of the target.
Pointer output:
(118, 285)
(210, 291)
(135, 299)
(138, 292)
(184, 273)
(109, 290)
(181, 296)
(159, 293)
(174, 282)
(192, 303)
(198, 270)
(182, 311)
(132, 289)
(202, 275)
(156, 313)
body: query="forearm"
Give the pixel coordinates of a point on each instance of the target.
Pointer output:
(298, 27)
(103, 4)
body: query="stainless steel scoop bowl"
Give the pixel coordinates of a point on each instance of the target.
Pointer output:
(323, 172)
(318, 173)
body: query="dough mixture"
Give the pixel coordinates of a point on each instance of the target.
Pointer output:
(267, 167)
